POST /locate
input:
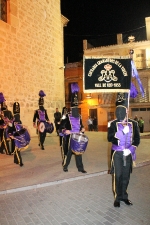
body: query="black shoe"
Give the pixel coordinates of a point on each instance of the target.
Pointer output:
(21, 164)
(65, 169)
(116, 204)
(82, 171)
(38, 144)
(2, 152)
(127, 201)
(42, 147)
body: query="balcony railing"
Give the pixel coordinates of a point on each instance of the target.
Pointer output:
(110, 98)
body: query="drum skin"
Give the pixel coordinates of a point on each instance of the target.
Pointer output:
(78, 143)
(47, 127)
(41, 127)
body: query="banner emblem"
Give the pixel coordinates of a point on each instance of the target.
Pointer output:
(108, 74)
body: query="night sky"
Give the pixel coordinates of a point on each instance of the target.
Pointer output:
(102, 21)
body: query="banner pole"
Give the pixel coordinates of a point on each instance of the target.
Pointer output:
(128, 106)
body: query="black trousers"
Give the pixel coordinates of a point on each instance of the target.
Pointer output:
(122, 169)
(90, 127)
(65, 144)
(41, 136)
(57, 127)
(141, 129)
(78, 158)
(17, 157)
(1, 140)
(4, 142)
(12, 146)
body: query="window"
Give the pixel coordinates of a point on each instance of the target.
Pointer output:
(3, 10)
(139, 55)
(135, 109)
(142, 109)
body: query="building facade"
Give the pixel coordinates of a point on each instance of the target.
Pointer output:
(32, 53)
(102, 105)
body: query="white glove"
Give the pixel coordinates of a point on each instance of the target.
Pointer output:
(126, 152)
(10, 124)
(63, 117)
(134, 164)
(108, 124)
(126, 130)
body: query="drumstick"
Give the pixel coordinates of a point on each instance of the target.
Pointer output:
(15, 138)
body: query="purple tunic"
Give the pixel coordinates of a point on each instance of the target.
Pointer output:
(41, 115)
(124, 140)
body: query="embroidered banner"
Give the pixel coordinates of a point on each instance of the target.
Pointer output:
(107, 75)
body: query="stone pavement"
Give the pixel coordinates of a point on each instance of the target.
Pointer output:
(41, 193)
(87, 201)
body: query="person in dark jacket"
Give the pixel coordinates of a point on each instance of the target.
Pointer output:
(95, 128)
(57, 118)
(141, 124)
(123, 133)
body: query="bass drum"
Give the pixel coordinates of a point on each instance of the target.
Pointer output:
(49, 127)
(78, 143)
(22, 138)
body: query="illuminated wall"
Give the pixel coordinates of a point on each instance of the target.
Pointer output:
(31, 52)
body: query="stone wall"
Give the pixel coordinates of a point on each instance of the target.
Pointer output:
(31, 49)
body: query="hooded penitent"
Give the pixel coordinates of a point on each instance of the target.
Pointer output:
(16, 108)
(74, 99)
(64, 110)
(3, 106)
(121, 105)
(16, 112)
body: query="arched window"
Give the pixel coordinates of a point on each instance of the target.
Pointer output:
(3, 10)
